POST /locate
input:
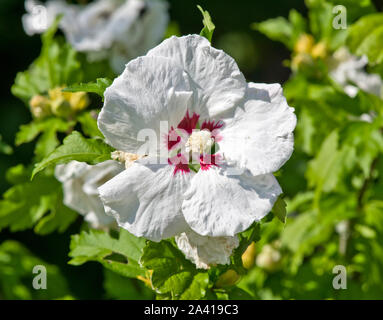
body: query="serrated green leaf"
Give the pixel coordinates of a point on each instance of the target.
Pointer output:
(59, 218)
(97, 87)
(172, 273)
(76, 147)
(197, 287)
(133, 246)
(99, 246)
(48, 130)
(28, 132)
(209, 26)
(36, 203)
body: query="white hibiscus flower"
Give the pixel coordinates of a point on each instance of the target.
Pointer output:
(239, 132)
(80, 182)
(116, 29)
(348, 70)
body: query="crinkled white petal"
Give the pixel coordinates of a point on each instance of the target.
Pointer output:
(119, 30)
(223, 202)
(221, 85)
(146, 31)
(104, 23)
(260, 136)
(150, 90)
(350, 74)
(205, 251)
(146, 200)
(80, 182)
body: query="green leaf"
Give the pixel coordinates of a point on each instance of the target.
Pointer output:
(172, 273)
(59, 218)
(326, 169)
(34, 203)
(277, 29)
(321, 17)
(365, 37)
(372, 46)
(298, 23)
(279, 209)
(197, 287)
(119, 255)
(97, 87)
(209, 26)
(366, 141)
(48, 129)
(360, 30)
(76, 147)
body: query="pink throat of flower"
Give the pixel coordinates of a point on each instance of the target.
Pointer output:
(182, 161)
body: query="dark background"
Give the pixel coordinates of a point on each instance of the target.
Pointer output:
(259, 58)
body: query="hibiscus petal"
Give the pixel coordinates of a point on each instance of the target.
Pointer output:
(205, 251)
(146, 200)
(260, 136)
(219, 203)
(150, 90)
(149, 22)
(80, 182)
(221, 84)
(70, 175)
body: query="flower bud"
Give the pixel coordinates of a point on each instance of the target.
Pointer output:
(248, 257)
(66, 103)
(269, 258)
(78, 100)
(227, 279)
(60, 105)
(40, 106)
(304, 44)
(319, 50)
(61, 108)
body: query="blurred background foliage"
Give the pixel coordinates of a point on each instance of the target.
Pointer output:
(332, 183)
